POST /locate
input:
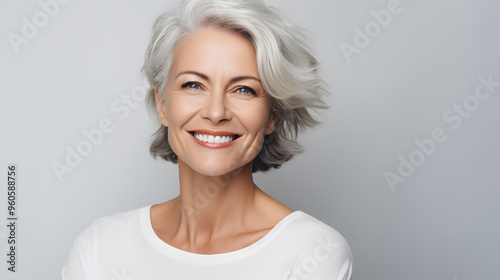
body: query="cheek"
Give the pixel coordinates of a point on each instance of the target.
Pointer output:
(179, 110)
(177, 115)
(255, 117)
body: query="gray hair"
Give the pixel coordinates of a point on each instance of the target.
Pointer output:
(287, 68)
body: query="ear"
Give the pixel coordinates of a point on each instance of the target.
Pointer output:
(160, 108)
(271, 123)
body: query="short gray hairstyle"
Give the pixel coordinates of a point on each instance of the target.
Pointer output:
(287, 68)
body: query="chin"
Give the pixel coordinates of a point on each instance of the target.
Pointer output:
(209, 168)
(212, 172)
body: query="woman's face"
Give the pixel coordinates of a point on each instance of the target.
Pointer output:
(215, 107)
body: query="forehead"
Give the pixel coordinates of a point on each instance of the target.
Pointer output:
(214, 51)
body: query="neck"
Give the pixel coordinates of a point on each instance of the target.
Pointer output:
(208, 204)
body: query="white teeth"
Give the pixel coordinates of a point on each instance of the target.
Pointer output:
(213, 139)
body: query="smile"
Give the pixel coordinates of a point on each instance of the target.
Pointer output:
(214, 139)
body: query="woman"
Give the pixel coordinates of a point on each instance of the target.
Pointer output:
(232, 83)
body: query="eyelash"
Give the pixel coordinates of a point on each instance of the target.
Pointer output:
(251, 90)
(198, 86)
(188, 84)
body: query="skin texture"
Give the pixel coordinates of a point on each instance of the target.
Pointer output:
(213, 87)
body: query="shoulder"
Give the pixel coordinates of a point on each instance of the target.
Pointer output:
(120, 223)
(104, 233)
(322, 252)
(309, 228)
(120, 219)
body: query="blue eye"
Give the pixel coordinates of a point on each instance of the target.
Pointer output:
(246, 90)
(191, 85)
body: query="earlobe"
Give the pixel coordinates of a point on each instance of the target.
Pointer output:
(160, 108)
(271, 124)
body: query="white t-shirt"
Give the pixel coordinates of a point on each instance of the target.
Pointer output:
(124, 246)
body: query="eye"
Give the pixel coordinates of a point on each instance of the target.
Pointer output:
(246, 90)
(191, 85)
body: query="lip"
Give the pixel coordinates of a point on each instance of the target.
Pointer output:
(214, 133)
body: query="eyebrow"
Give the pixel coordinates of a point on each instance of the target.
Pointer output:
(236, 79)
(205, 77)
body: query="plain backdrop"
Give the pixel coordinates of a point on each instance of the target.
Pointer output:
(395, 82)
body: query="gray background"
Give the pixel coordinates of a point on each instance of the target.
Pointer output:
(442, 222)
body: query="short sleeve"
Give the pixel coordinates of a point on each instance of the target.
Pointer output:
(79, 265)
(326, 257)
(338, 268)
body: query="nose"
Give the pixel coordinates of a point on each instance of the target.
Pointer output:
(216, 109)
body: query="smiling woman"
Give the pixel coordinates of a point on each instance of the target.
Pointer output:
(232, 82)
(213, 90)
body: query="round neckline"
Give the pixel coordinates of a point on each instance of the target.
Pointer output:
(185, 256)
